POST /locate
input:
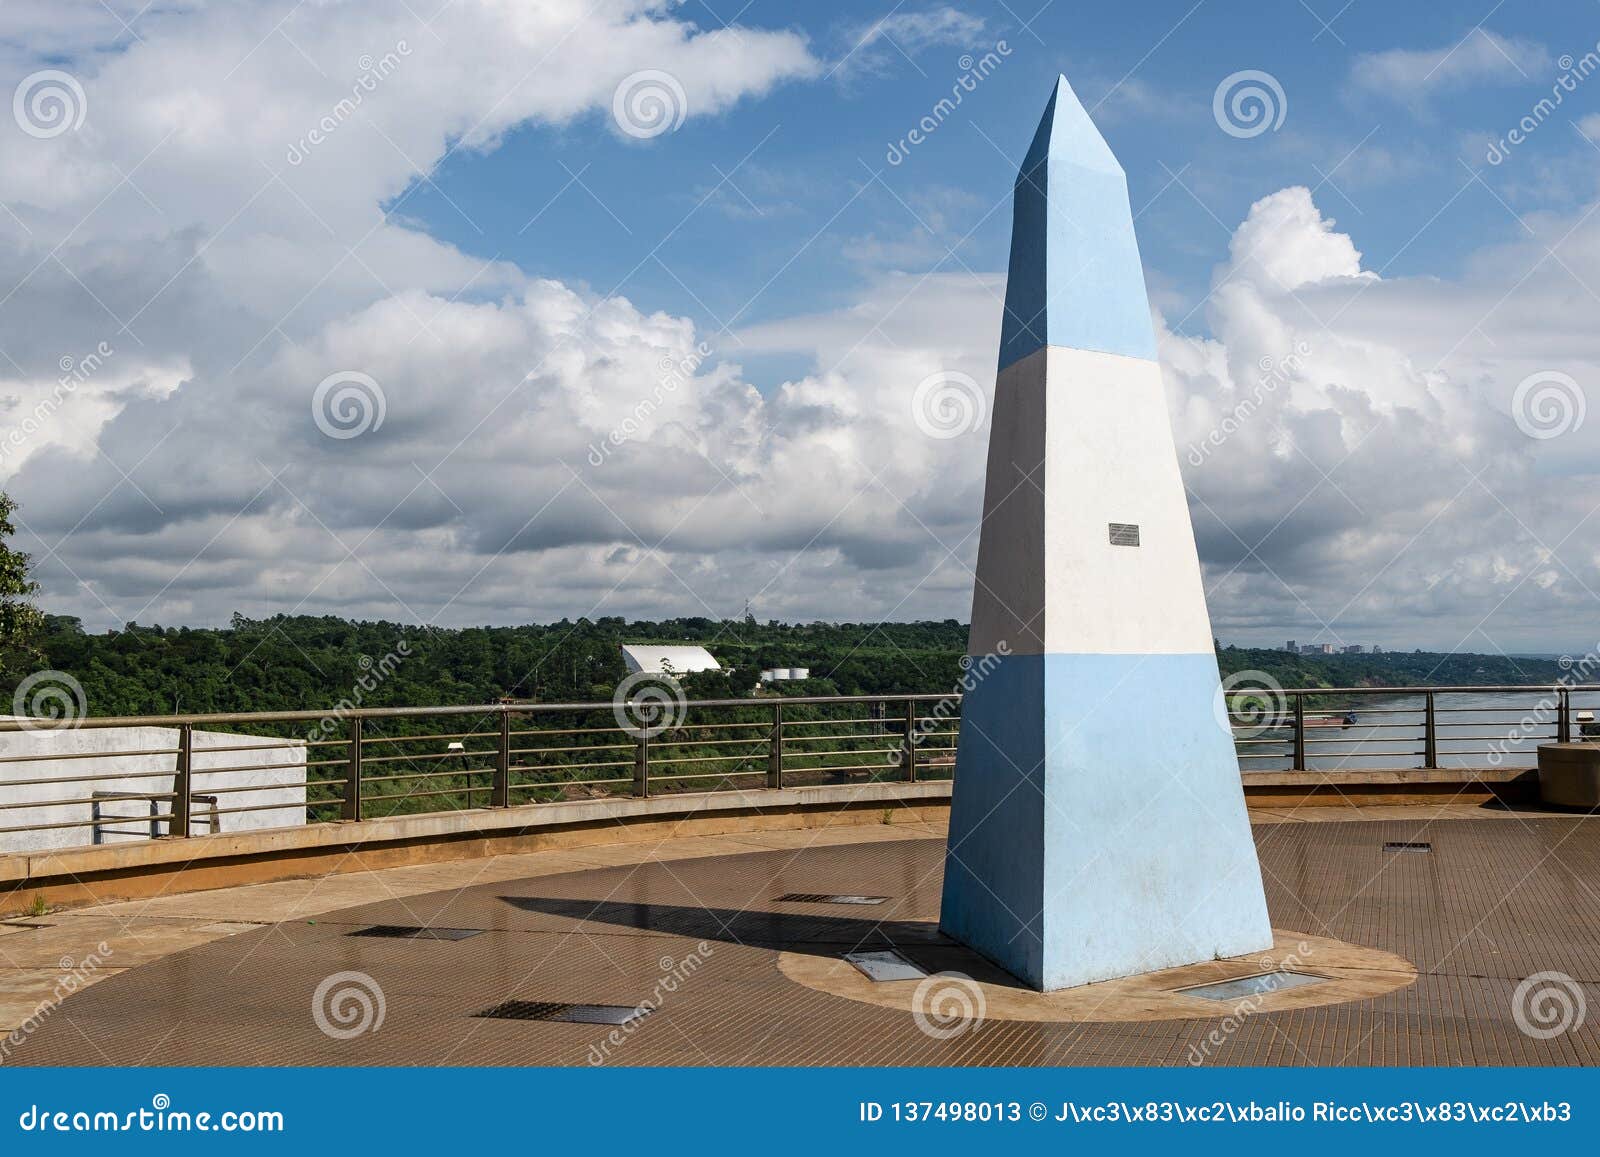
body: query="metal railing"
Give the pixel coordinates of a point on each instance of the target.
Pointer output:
(1406, 728)
(368, 763)
(266, 769)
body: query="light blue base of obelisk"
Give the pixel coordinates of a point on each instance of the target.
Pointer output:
(1097, 826)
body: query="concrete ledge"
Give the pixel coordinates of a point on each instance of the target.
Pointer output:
(1389, 776)
(127, 871)
(1398, 785)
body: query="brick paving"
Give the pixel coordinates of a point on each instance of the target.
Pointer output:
(1492, 903)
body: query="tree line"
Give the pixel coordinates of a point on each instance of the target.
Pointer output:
(305, 662)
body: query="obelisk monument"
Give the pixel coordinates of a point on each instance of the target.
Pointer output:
(1098, 826)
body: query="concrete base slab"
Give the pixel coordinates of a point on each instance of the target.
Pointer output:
(1348, 972)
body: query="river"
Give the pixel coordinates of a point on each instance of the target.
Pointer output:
(1477, 729)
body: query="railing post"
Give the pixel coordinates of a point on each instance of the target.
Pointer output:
(1430, 735)
(1299, 731)
(908, 745)
(182, 785)
(641, 766)
(500, 795)
(1564, 716)
(775, 749)
(352, 773)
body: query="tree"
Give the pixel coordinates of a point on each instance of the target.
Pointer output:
(20, 620)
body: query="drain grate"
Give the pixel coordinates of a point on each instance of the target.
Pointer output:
(1258, 985)
(414, 932)
(827, 898)
(1407, 846)
(885, 965)
(566, 1013)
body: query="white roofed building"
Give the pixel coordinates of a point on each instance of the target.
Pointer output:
(678, 660)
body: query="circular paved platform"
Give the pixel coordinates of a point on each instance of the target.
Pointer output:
(1298, 971)
(705, 941)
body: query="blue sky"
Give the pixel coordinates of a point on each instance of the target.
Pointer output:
(790, 178)
(382, 310)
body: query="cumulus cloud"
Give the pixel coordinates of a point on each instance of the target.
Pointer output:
(241, 174)
(552, 452)
(544, 450)
(1359, 462)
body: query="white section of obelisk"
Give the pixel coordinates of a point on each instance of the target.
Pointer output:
(1105, 456)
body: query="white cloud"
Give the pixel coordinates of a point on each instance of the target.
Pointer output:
(1375, 486)
(1481, 57)
(1382, 487)
(1379, 492)
(193, 191)
(1286, 243)
(902, 35)
(186, 477)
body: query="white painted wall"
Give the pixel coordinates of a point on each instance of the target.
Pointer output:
(42, 755)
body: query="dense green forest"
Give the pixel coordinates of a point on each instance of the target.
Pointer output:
(312, 663)
(414, 763)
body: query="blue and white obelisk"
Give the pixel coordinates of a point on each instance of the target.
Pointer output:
(1098, 827)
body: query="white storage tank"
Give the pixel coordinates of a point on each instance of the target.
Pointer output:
(782, 673)
(799, 672)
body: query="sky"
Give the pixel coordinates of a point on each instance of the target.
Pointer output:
(495, 311)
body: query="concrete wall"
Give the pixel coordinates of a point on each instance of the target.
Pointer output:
(46, 756)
